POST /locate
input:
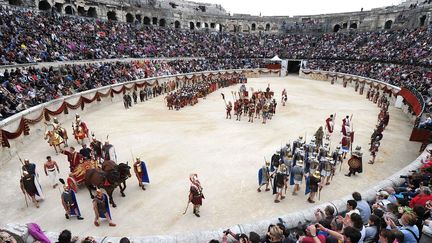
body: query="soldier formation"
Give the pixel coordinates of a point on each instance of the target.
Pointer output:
(259, 105)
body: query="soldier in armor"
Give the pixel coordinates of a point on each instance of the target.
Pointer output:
(297, 144)
(264, 177)
(314, 164)
(337, 155)
(195, 194)
(101, 208)
(228, 110)
(297, 173)
(141, 173)
(346, 144)
(280, 182)
(275, 161)
(28, 186)
(314, 185)
(374, 150)
(327, 168)
(284, 97)
(96, 147)
(251, 111)
(134, 96)
(80, 129)
(70, 204)
(355, 162)
(319, 135)
(108, 152)
(142, 95)
(265, 113)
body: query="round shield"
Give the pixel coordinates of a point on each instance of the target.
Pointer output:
(354, 163)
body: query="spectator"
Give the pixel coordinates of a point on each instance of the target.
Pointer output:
(362, 206)
(408, 228)
(352, 207)
(372, 230)
(422, 197)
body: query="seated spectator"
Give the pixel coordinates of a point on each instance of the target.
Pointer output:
(408, 228)
(352, 207)
(362, 206)
(372, 230)
(422, 197)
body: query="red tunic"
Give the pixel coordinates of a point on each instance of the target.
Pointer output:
(195, 195)
(74, 159)
(329, 126)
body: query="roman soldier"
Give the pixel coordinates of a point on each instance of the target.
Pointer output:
(108, 152)
(314, 164)
(297, 173)
(141, 173)
(134, 96)
(284, 97)
(265, 113)
(30, 168)
(85, 152)
(368, 93)
(74, 158)
(356, 86)
(346, 126)
(280, 182)
(374, 150)
(314, 185)
(330, 124)
(96, 147)
(51, 170)
(362, 88)
(264, 177)
(142, 95)
(228, 110)
(28, 186)
(70, 203)
(251, 111)
(346, 144)
(101, 208)
(319, 135)
(275, 161)
(195, 194)
(337, 155)
(327, 168)
(58, 129)
(372, 95)
(80, 129)
(355, 162)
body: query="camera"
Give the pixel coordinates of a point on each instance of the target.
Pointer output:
(404, 177)
(226, 231)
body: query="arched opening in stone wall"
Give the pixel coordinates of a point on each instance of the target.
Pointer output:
(267, 28)
(58, 7)
(69, 10)
(206, 25)
(15, 2)
(198, 25)
(81, 11)
(154, 21)
(44, 5)
(91, 12)
(422, 20)
(162, 22)
(353, 26)
(388, 24)
(138, 17)
(129, 18)
(345, 25)
(253, 27)
(212, 25)
(336, 28)
(192, 25)
(177, 24)
(146, 20)
(111, 15)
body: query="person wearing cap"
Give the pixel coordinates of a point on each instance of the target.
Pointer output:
(101, 208)
(280, 182)
(195, 194)
(51, 170)
(70, 204)
(297, 173)
(141, 173)
(264, 177)
(314, 185)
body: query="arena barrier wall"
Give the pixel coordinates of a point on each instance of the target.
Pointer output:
(350, 80)
(291, 220)
(17, 131)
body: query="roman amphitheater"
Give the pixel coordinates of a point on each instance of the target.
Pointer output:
(93, 76)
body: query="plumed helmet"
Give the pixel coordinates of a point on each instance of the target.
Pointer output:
(316, 174)
(299, 162)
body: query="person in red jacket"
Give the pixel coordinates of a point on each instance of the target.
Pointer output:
(422, 198)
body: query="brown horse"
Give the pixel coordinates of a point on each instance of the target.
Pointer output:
(108, 180)
(54, 139)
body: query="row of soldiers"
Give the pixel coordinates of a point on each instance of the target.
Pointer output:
(191, 91)
(260, 104)
(144, 95)
(309, 161)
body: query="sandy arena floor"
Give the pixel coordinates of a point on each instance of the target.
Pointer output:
(225, 153)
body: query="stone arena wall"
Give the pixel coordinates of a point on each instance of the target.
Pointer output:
(292, 220)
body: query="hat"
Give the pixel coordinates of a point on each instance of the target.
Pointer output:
(283, 167)
(358, 148)
(267, 162)
(382, 193)
(138, 158)
(316, 174)
(299, 162)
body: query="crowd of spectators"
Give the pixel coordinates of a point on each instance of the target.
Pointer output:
(396, 215)
(30, 36)
(22, 88)
(416, 78)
